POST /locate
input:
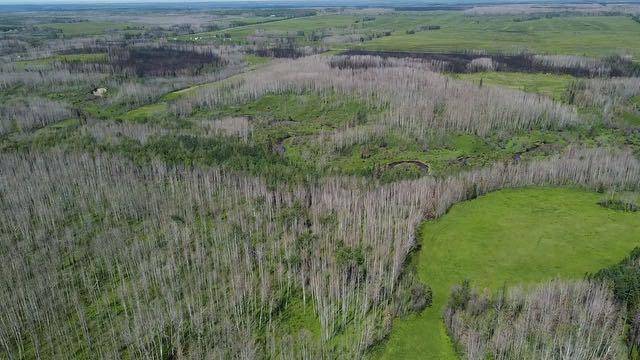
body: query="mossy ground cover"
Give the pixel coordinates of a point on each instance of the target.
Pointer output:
(551, 85)
(506, 238)
(298, 316)
(297, 122)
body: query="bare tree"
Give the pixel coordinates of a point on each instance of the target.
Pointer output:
(31, 113)
(100, 256)
(556, 320)
(420, 101)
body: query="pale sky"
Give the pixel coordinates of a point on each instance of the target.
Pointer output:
(278, 2)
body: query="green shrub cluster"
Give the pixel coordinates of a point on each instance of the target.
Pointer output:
(624, 278)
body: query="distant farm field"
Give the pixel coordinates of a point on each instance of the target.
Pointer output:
(437, 31)
(506, 238)
(576, 35)
(295, 25)
(86, 27)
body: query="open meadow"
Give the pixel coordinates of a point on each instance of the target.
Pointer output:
(507, 238)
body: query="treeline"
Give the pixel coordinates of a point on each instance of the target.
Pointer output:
(161, 61)
(134, 58)
(556, 320)
(464, 62)
(610, 96)
(19, 50)
(288, 51)
(420, 101)
(603, 92)
(127, 92)
(585, 66)
(581, 320)
(102, 257)
(31, 113)
(39, 79)
(554, 9)
(230, 126)
(133, 75)
(114, 133)
(624, 280)
(423, 28)
(365, 62)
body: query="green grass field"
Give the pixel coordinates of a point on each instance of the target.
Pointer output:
(551, 85)
(505, 238)
(84, 28)
(595, 36)
(577, 35)
(305, 24)
(329, 24)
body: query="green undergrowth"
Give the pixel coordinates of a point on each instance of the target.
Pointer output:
(104, 311)
(146, 112)
(621, 201)
(67, 58)
(305, 113)
(298, 316)
(631, 116)
(289, 140)
(255, 61)
(624, 279)
(506, 238)
(551, 85)
(160, 108)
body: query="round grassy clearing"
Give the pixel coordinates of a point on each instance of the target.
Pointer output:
(504, 238)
